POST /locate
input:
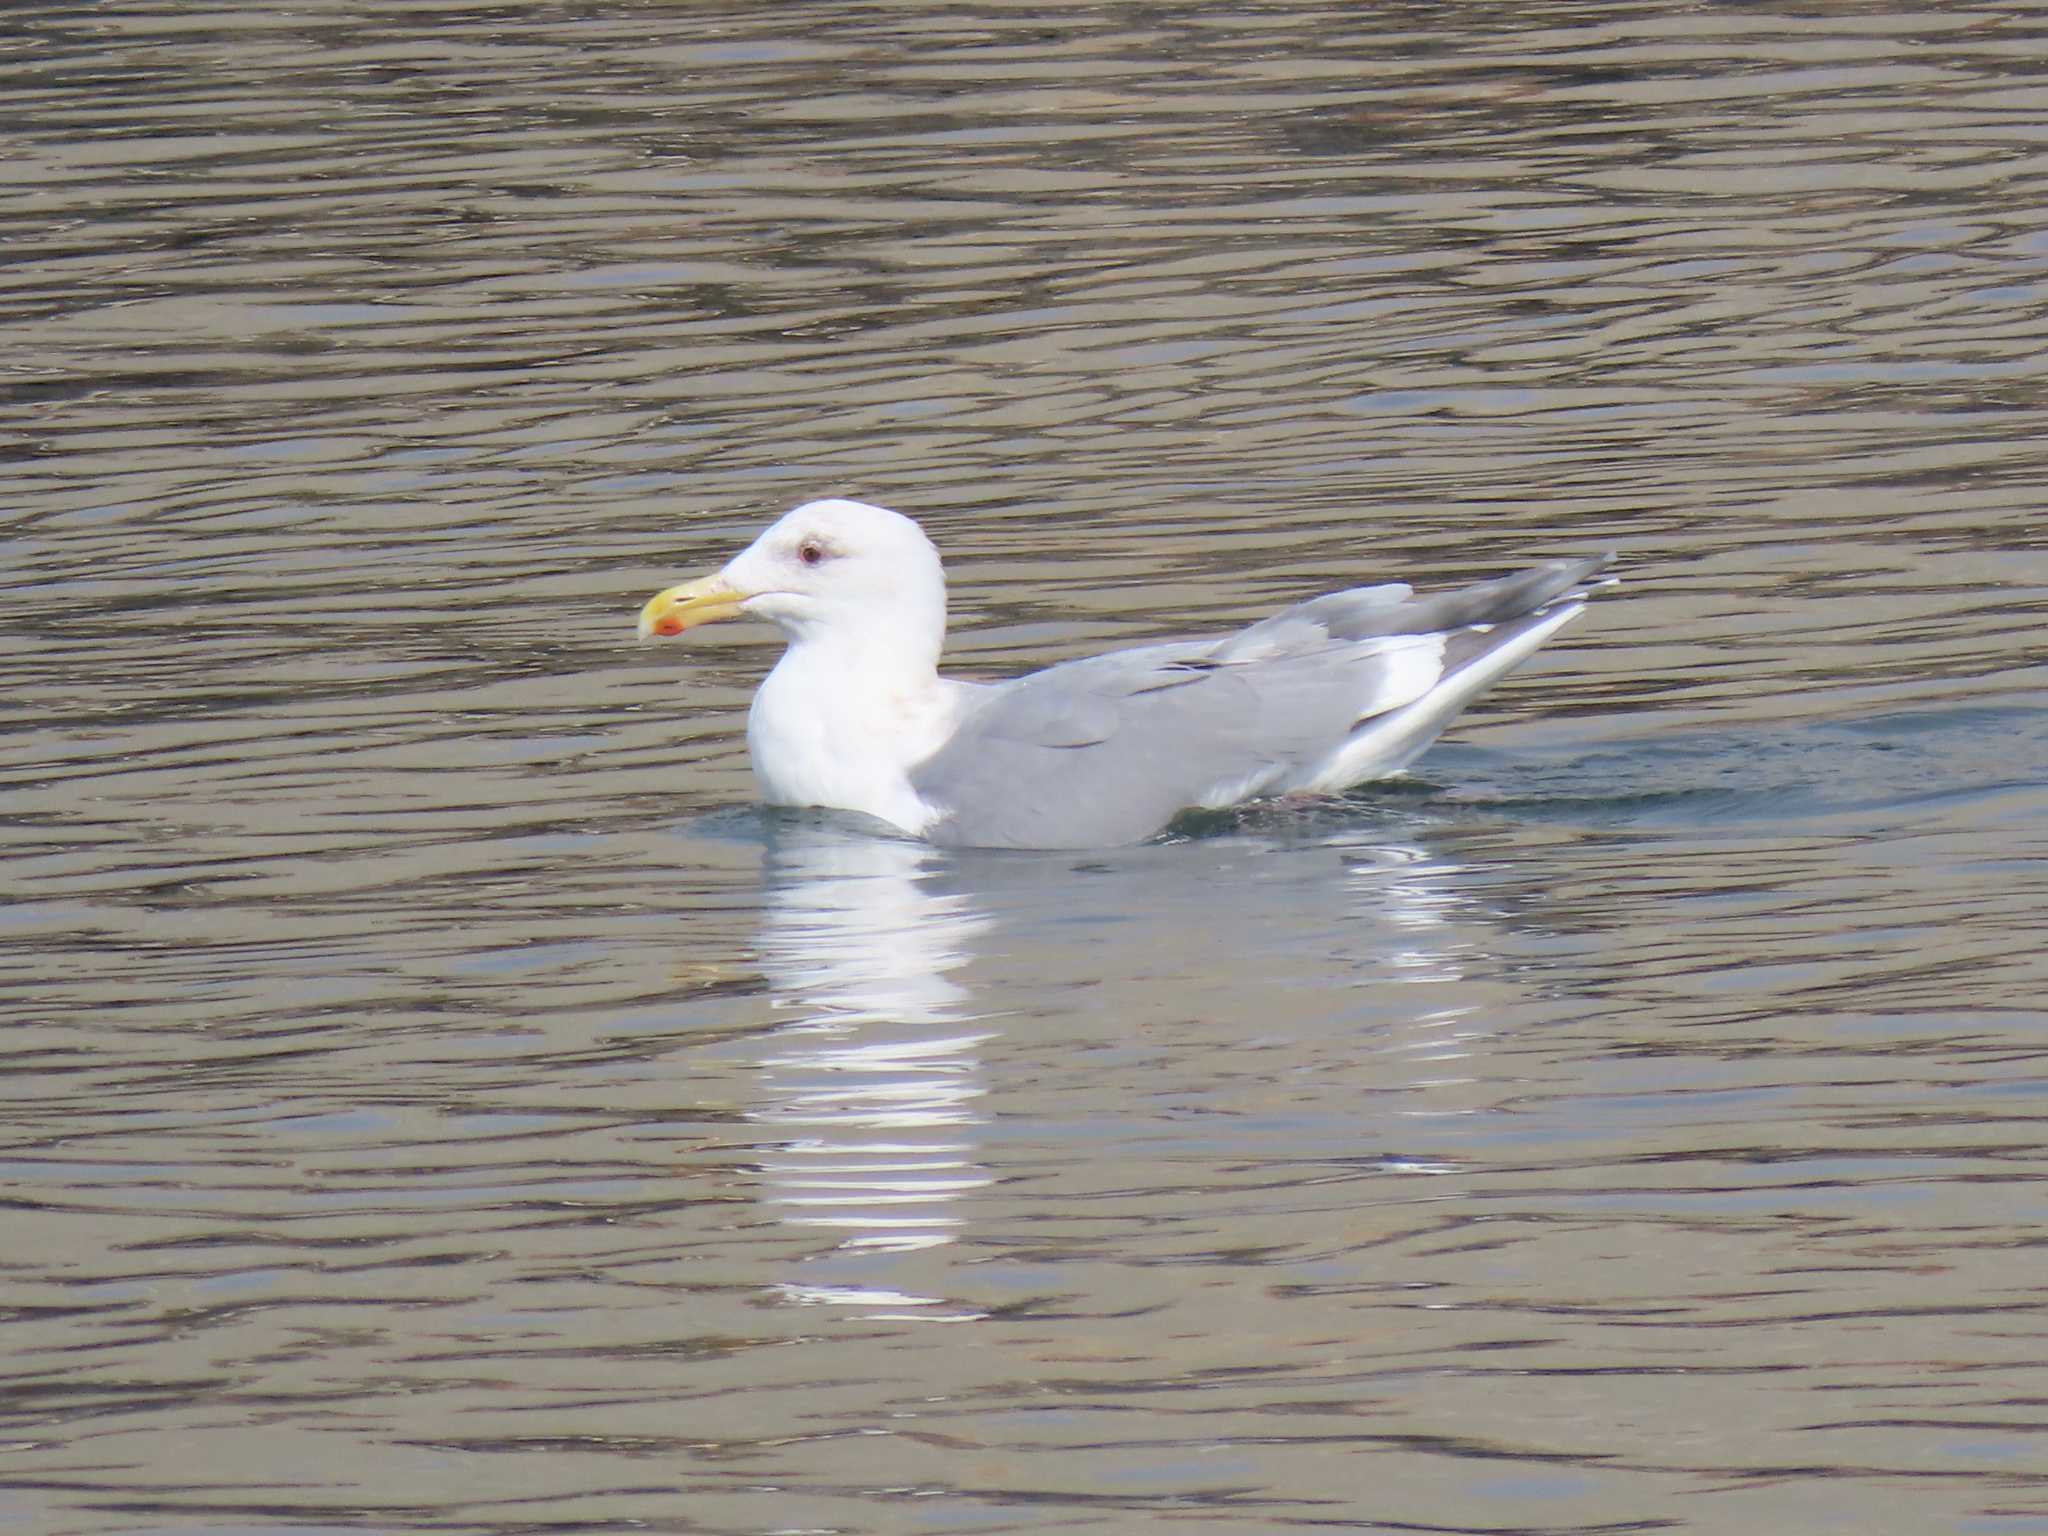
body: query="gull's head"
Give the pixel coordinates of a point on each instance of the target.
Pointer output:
(843, 567)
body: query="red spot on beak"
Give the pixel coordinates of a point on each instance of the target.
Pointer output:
(668, 624)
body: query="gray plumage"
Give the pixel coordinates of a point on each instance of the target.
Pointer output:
(1333, 691)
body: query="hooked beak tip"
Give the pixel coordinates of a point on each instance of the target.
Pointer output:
(698, 602)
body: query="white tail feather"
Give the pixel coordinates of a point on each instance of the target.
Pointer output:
(1385, 744)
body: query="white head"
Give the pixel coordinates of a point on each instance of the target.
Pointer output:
(855, 571)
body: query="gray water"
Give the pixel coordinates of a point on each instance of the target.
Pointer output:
(438, 1100)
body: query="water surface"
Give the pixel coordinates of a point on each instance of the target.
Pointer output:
(439, 1100)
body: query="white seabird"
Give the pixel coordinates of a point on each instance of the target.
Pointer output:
(1329, 693)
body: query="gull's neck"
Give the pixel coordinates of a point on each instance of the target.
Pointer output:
(845, 714)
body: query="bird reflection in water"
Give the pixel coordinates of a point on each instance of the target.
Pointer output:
(1353, 950)
(875, 1079)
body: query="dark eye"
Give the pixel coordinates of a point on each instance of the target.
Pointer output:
(811, 552)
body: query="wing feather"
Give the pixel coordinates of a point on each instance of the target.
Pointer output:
(1110, 748)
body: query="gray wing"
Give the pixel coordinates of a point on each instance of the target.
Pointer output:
(1362, 612)
(1109, 749)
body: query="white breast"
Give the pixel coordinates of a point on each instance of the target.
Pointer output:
(823, 734)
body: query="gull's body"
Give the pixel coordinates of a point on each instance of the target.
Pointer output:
(1329, 693)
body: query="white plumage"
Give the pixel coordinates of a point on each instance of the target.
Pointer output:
(1329, 693)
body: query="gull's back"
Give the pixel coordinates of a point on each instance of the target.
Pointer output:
(1335, 691)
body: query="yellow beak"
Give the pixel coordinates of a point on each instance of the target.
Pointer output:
(687, 606)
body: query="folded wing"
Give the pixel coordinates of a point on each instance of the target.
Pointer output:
(1332, 691)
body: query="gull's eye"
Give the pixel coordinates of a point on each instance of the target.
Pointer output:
(811, 552)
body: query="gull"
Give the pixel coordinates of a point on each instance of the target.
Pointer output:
(1106, 750)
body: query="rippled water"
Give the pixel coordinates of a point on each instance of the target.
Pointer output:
(437, 1100)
